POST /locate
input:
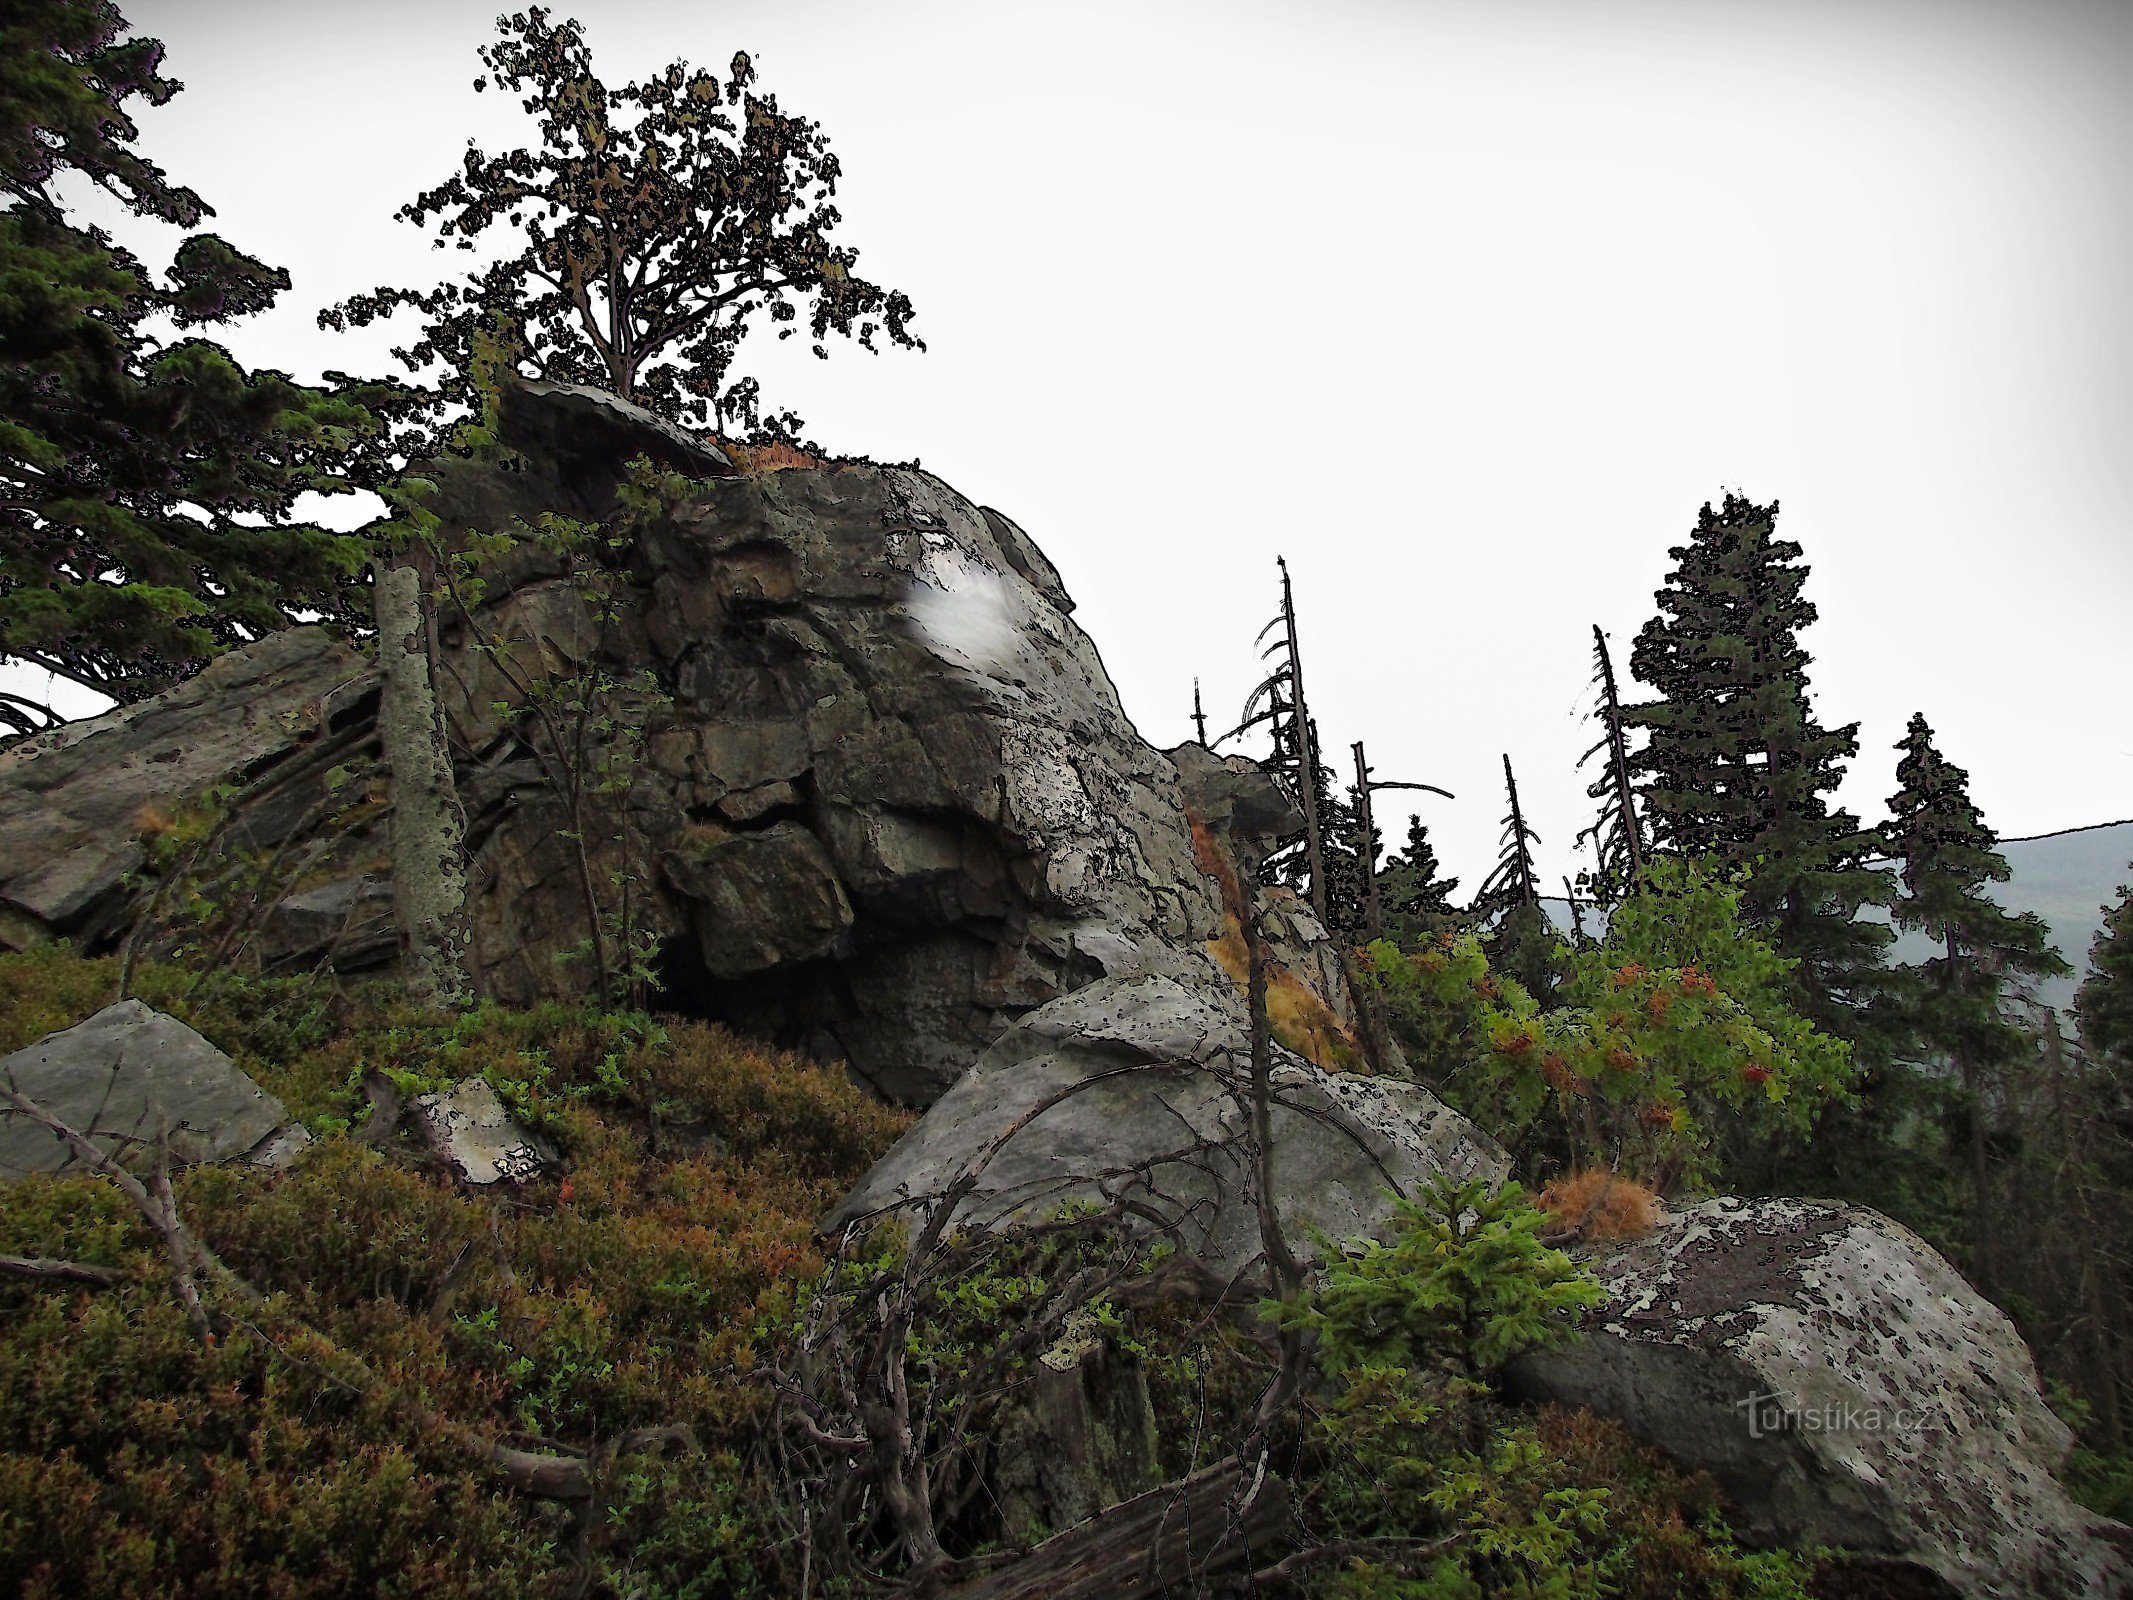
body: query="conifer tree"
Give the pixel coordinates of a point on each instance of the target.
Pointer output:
(1410, 882)
(1521, 943)
(2104, 1003)
(1617, 836)
(1735, 765)
(1338, 887)
(1418, 903)
(147, 484)
(1958, 1001)
(657, 220)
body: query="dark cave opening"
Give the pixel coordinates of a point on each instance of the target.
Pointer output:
(780, 1007)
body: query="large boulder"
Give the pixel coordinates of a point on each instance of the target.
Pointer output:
(128, 1077)
(1137, 1092)
(1847, 1388)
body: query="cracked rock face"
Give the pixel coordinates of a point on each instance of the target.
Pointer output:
(891, 802)
(76, 801)
(1846, 1387)
(1137, 1090)
(894, 803)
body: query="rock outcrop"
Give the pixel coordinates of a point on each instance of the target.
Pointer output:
(1847, 1388)
(129, 1076)
(1136, 1092)
(880, 798)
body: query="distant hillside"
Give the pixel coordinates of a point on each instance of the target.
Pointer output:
(2066, 878)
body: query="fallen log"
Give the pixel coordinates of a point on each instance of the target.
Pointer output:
(1206, 1523)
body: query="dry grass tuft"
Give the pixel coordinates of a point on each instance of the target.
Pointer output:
(1601, 1204)
(773, 455)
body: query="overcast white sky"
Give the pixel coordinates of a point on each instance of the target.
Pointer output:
(1464, 307)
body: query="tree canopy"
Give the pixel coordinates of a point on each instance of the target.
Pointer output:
(147, 486)
(2105, 1000)
(1946, 856)
(1735, 764)
(655, 221)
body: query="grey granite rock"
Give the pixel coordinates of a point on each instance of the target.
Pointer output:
(74, 801)
(1846, 1387)
(128, 1076)
(1137, 1089)
(891, 803)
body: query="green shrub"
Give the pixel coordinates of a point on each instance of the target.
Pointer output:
(1676, 1024)
(1441, 1490)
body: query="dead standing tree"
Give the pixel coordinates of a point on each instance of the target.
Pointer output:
(1511, 884)
(1617, 837)
(1288, 718)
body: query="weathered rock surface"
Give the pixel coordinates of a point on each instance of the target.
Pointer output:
(468, 1126)
(890, 802)
(1137, 1090)
(129, 1075)
(1846, 1387)
(76, 800)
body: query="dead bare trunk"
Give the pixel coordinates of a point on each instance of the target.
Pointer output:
(428, 824)
(1156, 1543)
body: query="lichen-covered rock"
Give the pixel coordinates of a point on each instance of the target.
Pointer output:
(468, 1126)
(1137, 1090)
(1847, 1388)
(128, 1076)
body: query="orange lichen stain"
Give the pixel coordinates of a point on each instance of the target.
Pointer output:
(1599, 1204)
(1299, 1017)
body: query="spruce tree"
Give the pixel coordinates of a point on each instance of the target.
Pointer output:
(2104, 1003)
(1617, 836)
(1418, 903)
(1339, 887)
(1957, 1003)
(1521, 942)
(1735, 766)
(147, 484)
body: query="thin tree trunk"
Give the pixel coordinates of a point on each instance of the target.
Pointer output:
(1366, 848)
(1306, 754)
(1981, 1229)
(429, 827)
(1527, 893)
(2084, 1227)
(1618, 752)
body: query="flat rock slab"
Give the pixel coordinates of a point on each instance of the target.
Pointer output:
(1138, 1090)
(130, 1074)
(75, 800)
(1847, 1388)
(469, 1127)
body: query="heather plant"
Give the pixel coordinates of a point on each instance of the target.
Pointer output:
(316, 1443)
